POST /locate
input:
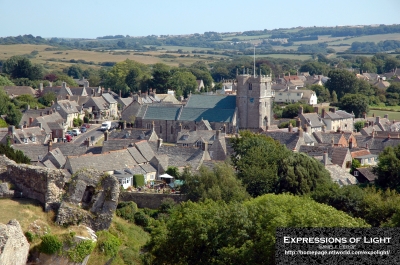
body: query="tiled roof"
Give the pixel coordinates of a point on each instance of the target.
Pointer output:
(148, 168)
(326, 138)
(311, 119)
(211, 114)
(214, 101)
(360, 153)
(161, 113)
(344, 114)
(56, 157)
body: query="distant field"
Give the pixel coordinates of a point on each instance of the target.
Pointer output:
(370, 38)
(265, 36)
(392, 114)
(287, 56)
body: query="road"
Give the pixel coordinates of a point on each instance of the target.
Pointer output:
(93, 131)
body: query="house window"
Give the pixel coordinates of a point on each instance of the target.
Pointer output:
(172, 129)
(186, 127)
(198, 144)
(185, 145)
(348, 164)
(355, 173)
(160, 129)
(148, 126)
(298, 94)
(250, 86)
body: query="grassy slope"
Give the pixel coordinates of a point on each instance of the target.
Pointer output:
(27, 211)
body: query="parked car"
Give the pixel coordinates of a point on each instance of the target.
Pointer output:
(68, 138)
(86, 125)
(76, 132)
(105, 126)
(70, 132)
(83, 129)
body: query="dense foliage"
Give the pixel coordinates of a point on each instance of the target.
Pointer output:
(16, 155)
(237, 233)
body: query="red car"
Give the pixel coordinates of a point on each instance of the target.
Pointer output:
(87, 125)
(68, 137)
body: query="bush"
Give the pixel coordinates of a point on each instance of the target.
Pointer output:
(50, 244)
(127, 210)
(167, 205)
(142, 219)
(85, 119)
(81, 250)
(30, 236)
(107, 243)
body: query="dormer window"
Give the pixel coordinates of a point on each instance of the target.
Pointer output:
(198, 144)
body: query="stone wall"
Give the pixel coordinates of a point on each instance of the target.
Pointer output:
(149, 200)
(39, 183)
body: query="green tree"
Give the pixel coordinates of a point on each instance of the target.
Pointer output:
(256, 159)
(343, 82)
(322, 93)
(48, 98)
(354, 165)
(358, 125)
(334, 97)
(391, 64)
(292, 110)
(221, 183)
(4, 81)
(183, 83)
(388, 168)
(74, 71)
(356, 103)
(160, 77)
(301, 174)
(368, 67)
(21, 67)
(173, 171)
(237, 233)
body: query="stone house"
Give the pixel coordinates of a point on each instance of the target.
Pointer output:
(69, 110)
(337, 120)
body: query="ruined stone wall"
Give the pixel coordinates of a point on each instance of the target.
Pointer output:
(149, 200)
(39, 183)
(14, 247)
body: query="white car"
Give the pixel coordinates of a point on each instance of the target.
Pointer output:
(76, 132)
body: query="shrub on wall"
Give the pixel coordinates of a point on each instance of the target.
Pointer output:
(107, 243)
(127, 210)
(138, 180)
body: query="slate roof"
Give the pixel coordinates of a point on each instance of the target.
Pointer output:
(289, 139)
(148, 168)
(133, 134)
(212, 115)
(186, 137)
(376, 144)
(49, 122)
(67, 106)
(214, 101)
(34, 113)
(326, 138)
(109, 98)
(344, 114)
(332, 116)
(338, 155)
(311, 119)
(180, 156)
(161, 113)
(99, 102)
(103, 162)
(367, 173)
(116, 144)
(139, 158)
(56, 157)
(145, 149)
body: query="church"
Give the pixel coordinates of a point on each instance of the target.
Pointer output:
(250, 108)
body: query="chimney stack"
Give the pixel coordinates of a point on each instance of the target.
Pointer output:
(290, 128)
(301, 110)
(11, 130)
(120, 93)
(159, 142)
(124, 125)
(41, 87)
(204, 146)
(386, 116)
(323, 113)
(49, 145)
(217, 134)
(298, 123)
(105, 135)
(325, 158)
(30, 121)
(300, 131)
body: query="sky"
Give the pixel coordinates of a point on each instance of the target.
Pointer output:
(96, 18)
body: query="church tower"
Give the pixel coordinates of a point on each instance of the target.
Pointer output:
(254, 101)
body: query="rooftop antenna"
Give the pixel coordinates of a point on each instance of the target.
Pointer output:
(254, 72)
